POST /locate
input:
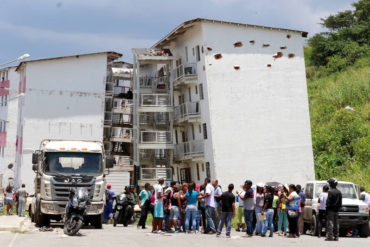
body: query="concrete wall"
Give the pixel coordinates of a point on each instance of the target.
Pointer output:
(64, 99)
(259, 116)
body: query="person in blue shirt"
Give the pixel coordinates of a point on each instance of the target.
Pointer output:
(108, 210)
(191, 209)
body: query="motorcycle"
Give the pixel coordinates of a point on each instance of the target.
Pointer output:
(75, 210)
(123, 210)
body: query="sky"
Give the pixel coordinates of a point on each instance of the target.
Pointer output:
(51, 28)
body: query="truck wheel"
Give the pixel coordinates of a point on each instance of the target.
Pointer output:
(364, 230)
(98, 221)
(314, 226)
(30, 213)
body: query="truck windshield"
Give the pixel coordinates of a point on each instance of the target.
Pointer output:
(348, 190)
(66, 163)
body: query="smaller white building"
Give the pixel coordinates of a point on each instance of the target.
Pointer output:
(9, 80)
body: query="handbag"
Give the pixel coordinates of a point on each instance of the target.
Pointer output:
(292, 213)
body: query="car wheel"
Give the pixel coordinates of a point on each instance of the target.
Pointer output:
(364, 230)
(314, 226)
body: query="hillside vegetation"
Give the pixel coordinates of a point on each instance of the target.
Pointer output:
(338, 71)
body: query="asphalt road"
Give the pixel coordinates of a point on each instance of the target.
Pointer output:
(131, 236)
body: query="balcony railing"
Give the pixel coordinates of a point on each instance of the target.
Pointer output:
(121, 134)
(188, 149)
(155, 100)
(122, 160)
(188, 70)
(154, 83)
(187, 109)
(120, 119)
(123, 106)
(155, 137)
(156, 173)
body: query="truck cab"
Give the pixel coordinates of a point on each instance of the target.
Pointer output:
(60, 165)
(354, 213)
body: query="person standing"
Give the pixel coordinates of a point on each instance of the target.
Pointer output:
(248, 204)
(282, 210)
(167, 203)
(333, 204)
(268, 210)
(260, 199)
(210, 205)
(191, 208)
(175, 210)
(322, 209)
(240, 210)
(274, 206)
(183, 200)
(158, 207)
(228, 211)
(144, 204)
(202, 209)
(22, 198)
(293, 208)
(362, 194)
(302, 197)
(108, 210)
(218, 208)
(9, 199)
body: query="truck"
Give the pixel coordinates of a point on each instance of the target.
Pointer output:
(354, 213)
(60, 165)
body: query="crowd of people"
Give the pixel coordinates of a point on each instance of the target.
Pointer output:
(17, 198)
(259, 209)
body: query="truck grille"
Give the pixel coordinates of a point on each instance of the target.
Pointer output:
(347, 209)
(60, 189)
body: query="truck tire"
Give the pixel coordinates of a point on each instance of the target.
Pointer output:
(31, 214)
(314, 226)
(98, 221)
(41, 219)
(363, 230)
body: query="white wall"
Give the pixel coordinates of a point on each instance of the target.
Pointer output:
(65, 100)
(259, 116)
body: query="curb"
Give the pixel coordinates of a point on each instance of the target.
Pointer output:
(14, 228)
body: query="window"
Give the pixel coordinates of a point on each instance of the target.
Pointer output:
(1, 126)
(6, 100)
(205, 131)
(178, 175)
(193, 52)
(201, 95)
(2, 101)
(198, 176)
(200, 128)
(4, 126)
(196, 89)
(177, 138)
(189, 91)
(192, 131)
(198, 53)
(186, 54)
(202, 167)
(208, 170)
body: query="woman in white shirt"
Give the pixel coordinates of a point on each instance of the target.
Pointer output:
(322, 210)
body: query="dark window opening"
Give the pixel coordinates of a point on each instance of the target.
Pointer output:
(205, 136)
(197, 53)
(208, 170)
(198, 176)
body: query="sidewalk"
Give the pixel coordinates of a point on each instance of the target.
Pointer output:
(13, 223)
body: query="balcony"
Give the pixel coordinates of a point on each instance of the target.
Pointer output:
(155, 140)
(155, 84)
(123, 163)
(109, 88)
(123, 106)
(122, 73)
(119, 134)
(121, 119)
(152, 56)
(185, 74)
(155, 173)
(155, 103)
(189, 150)
(108, 118)
(187, 112)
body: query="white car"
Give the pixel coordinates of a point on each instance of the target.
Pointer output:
(354, 213)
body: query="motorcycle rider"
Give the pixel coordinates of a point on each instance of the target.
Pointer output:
(108, 210)
(333, 204)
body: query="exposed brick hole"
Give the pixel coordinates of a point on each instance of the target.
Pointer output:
(218, 56)
(278, 55)
(268, 65)
(238, 44)
(202, 49)
(209, 48)
(283, 47)
(236, 67)
(265, 45)
(291, 55)
(252, 42)
(288, 36)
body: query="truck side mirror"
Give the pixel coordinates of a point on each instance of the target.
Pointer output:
(109, 162)
(35, 167)
(35, 158)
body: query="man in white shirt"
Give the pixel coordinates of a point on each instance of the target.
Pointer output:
(322, 209)
(158, 207)
(210, 205)
(362, 194)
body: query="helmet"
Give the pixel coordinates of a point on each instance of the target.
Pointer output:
(248, 182)
(109, 186)
(333, 182)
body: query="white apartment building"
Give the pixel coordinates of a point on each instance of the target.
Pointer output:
(63, 98)
(240, 106)
(9, 82)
